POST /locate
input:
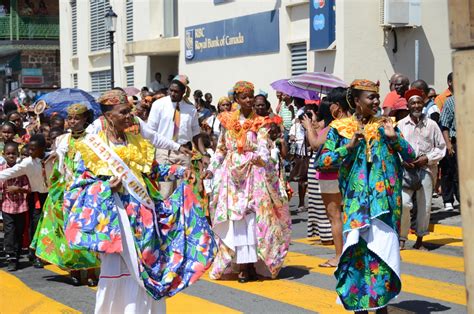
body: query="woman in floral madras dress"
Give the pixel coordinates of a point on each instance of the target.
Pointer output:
(368, 150)
(150, 248)
(250, 206)
(49, 241)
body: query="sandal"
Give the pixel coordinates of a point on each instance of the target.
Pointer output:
(327, 264)
(243, 277)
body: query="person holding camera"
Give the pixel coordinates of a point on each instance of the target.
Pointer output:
(301, 153)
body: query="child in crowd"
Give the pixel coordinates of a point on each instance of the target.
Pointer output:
(57, 121)
(53, 134)
(35, 169)
(14, 206)
(24, 152)
(7, 132)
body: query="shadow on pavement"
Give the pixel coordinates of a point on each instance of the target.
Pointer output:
(417, 306)
(293, 272)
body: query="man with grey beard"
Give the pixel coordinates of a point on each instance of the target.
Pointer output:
(424, 135)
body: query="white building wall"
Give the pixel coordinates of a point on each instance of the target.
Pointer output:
(219, 76)
(362, 50)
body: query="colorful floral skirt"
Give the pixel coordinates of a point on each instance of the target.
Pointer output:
(50, 242)
(368, 274)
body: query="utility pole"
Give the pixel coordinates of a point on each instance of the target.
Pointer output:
(461, 23)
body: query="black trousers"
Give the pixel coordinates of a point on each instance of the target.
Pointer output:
(449, 177)
(35, 210)
(13, 226)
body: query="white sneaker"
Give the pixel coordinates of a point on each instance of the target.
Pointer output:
(448, 207)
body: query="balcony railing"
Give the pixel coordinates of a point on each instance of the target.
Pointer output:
(14, 27)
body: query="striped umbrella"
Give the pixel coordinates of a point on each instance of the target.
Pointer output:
(321, 82)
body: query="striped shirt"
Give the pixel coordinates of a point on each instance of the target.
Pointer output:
(448, 118)
(287, 115)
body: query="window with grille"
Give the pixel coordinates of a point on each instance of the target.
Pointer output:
(299, 58)
(74, 80)
(100, 81)
(99, 35)
(130, 76)
(74, 26)
(129, 12)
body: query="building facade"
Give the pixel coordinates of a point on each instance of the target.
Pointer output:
(218, 42)
(29, 44)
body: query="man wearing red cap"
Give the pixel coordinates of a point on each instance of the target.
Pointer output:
(424, 135)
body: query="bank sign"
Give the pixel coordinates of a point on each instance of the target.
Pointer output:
(241, 36)
(322, 26)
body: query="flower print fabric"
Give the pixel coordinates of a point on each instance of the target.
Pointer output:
(371, 196)
(50, 241)
(248, 182)
(173, 242)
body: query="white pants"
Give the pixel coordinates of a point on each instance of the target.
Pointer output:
(423, 201)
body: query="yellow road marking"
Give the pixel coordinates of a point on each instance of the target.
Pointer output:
(16, 297)
(424, 258)
(304, 296)
(438, 239)
(185, 303)
(180, 303)
(416, 257)
(453, 231)
(425, 287)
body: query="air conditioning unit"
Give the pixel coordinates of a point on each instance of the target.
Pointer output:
(400, 13)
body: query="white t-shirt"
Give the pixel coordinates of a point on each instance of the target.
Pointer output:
(161, 121)
(216, 128)
(156, 86)
(297, 130)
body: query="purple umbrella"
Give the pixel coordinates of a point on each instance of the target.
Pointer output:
(284, 87)
(317, 81)
(131, 91)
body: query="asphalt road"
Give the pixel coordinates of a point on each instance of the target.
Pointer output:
(432, 281)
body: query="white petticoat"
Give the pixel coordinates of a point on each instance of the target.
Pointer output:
(119, 292)
(241, 237)
(120, 289)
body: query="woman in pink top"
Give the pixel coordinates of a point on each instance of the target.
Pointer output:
(336, 107)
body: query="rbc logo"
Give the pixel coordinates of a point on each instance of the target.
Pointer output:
(319, 22)
(189, 44)
(319, 4)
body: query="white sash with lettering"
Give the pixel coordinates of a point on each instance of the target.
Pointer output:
(119, 169)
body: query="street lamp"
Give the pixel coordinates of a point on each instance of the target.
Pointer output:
(111, 26)
(8, 75)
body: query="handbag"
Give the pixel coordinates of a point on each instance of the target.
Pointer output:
(324, 169)
(299, 172)
(412, 178)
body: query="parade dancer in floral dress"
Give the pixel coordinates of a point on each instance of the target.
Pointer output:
(49, 242)
(150, 248)
(368, 150)
(249, 207)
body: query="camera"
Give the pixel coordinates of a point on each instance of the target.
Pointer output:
(306, 112)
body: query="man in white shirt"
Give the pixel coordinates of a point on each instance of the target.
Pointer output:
(176, 119)
(425, 136)
(156, 85)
